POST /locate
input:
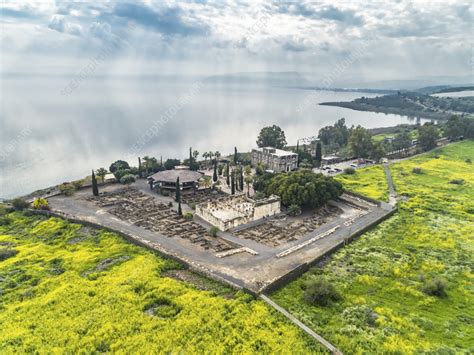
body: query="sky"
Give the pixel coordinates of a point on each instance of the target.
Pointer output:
(376, 39)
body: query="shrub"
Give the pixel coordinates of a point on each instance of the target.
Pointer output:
(469, 161)
(192, 206)
(78, 183)
(213, 231)
(349, 171)
(259, 196)
(67, 189)
(457, 181)
(19, 204)
(127, 179)
(188, 215)
(165, 193)
(40, 204)
(417, 170)
(435, 287)
(294, 210)
(320, 292)
(3, 210)
(170, 204)
(7, 253)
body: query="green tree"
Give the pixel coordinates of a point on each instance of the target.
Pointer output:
(298, 152)
(227, 174)
(19, 204)
(140, 167)
(67, 189)
(195, 155)
(360, 142)
(95, 189)
(127, 179)
(178, 190)
(101, 172)
(272, 136)
(236, 155)
(303, 188)
(427, 136)
(319, 154)
(378, 151)
(336, 134)
(118, 165)
(171, 163)
(214, 176)
(206, 182)
(402, 141)
(232, 182)
(241, 179)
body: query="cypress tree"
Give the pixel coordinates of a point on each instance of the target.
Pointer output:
(178, 191)
(241, 179)
(235, 155)
(180, 211)
(139, 167)
(161, 160)
(95, 188)
(232, 183)
(298, 152)
(227, 174)
(318, 157)
(214, 177)
(191, 166)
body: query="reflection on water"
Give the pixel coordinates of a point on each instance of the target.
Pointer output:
(47, 138)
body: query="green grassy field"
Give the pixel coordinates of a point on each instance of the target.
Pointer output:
(369, 181)
(382, 275)
(74, 289)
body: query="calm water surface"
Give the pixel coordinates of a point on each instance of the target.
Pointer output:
(48, 138)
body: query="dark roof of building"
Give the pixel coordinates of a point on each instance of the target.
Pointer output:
(172, 175)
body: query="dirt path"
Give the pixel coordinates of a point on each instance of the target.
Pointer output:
(392, 197)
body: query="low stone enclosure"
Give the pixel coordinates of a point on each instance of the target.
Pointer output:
(143, 211)
(256, 256)
(283, 229)
(232, 211)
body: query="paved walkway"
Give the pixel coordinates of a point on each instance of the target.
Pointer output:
(391, 188)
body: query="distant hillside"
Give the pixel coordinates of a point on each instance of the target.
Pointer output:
(412, 104)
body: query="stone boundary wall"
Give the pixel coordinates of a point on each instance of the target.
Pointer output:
(301, 269)
(355, 194)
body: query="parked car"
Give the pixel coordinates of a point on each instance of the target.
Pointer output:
(354, 165)
(337, 170)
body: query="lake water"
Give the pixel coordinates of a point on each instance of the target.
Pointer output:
(467, 93)
(48, 138)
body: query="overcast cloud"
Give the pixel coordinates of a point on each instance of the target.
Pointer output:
(209, 37)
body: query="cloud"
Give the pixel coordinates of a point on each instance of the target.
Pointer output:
(168, 21)
(329, 12)
(59, 23)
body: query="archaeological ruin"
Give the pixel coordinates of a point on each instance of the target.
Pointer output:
(232, 211)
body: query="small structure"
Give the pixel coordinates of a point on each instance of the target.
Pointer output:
(232, 211)
(166, 179)
(275, 159)
(109, 178)
(330, 159)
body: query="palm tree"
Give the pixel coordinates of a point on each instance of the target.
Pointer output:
(248, 170)
(195, 155)
(206, 182)
(146, 163)
(205, 155)
(217, 154)
(101, 172)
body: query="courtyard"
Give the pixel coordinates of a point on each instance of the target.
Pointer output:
(251, 256)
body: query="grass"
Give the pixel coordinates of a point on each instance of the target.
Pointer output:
(383, 276)
(369, 181)
(77, 290)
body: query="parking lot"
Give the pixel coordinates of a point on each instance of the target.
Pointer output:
(337, 168)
